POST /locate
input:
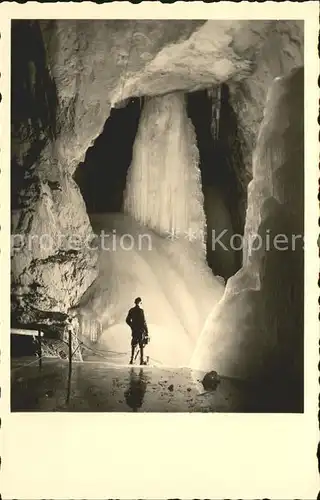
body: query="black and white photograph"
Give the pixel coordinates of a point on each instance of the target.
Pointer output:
(159, 253)
(157, 216)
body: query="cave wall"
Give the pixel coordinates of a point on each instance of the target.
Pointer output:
(256, 331)
(274, 55)
(221, 257)
(34, 103)
(91, 62)
(79, 70)
(97, 64)
(48, 275)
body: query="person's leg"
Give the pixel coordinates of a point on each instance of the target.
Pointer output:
(141, 352)
(133, 348)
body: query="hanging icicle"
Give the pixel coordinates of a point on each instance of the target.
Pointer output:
(215, 95)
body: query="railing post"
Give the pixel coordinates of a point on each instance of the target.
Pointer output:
(39, 349)
(70, 349)
(70, 363)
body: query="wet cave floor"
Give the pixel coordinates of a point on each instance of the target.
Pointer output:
(95, 386)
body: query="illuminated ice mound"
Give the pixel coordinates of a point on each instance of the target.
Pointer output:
(177, 288)
(256, 330)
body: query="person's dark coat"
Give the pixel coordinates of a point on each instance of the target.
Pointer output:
(136, 320)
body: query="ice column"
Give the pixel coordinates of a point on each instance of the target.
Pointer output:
(164, 183)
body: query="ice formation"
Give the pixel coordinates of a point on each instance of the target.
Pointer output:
(215, 96)
(256, 330)
(164, 185)
(177, 288)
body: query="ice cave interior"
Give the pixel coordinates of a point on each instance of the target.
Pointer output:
(174, 131)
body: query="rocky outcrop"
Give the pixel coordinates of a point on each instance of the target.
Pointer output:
(67, 75)
(277, 48)
(49, 270)
(96, 65)
(52, 262)
(256, 330)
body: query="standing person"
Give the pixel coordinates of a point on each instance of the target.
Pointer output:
(139, 330)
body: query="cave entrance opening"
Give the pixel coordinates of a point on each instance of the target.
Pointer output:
(222, 174)
(102, 176)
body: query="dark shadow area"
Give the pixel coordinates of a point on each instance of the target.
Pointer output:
(33, 92)
(102, 176)
(33, 103)
(21, 345)
(229, 153)
(222, 169)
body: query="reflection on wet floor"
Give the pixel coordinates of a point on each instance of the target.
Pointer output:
(99, 387)
(137, 387)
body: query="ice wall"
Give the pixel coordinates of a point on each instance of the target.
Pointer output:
(164, 185)
(177, 288)
(256, 330)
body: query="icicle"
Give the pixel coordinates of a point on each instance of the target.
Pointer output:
(218, 108)
(215, 95)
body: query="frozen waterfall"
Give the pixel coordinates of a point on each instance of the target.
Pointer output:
(164, 183)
